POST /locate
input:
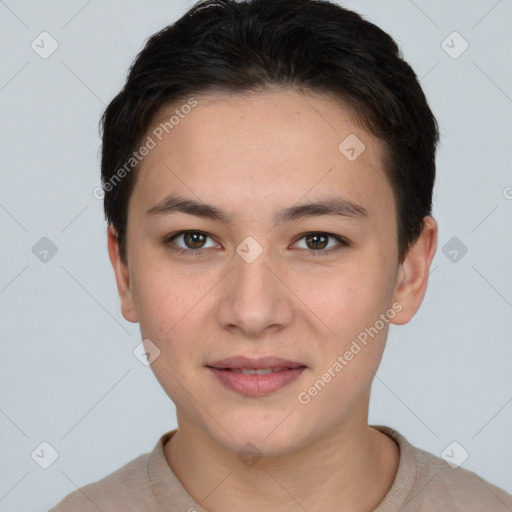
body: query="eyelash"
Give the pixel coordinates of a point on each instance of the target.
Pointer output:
(342, 241)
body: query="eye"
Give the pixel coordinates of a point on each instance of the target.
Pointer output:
(317, 243)
(194, 242)
(191, 241)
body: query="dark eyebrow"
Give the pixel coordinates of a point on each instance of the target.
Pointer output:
(173, 204)
(329, 206)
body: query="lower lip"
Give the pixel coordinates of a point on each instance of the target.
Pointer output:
(257, 385)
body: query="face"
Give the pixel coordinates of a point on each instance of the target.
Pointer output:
(279, 257)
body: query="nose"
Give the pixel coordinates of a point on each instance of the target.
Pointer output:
(256, 300)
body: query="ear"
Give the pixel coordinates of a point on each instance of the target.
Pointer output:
(413, 273)
(122, 274)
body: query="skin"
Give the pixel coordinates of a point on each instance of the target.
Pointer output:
(252, 155)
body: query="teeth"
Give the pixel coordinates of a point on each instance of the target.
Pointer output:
(259, 371)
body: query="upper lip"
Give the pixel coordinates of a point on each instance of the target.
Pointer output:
(246, 363)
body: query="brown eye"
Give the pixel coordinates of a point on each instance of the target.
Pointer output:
(318, 243)
(194, 240)
(190, 241)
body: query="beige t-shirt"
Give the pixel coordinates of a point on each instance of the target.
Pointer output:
(423, 483)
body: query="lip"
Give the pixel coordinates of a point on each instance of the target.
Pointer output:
(254, 384)
(247, 363)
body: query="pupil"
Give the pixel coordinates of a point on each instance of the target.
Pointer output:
(196, 242)
(315, 239)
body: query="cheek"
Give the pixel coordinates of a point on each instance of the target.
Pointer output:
(171, 309)
(347, 298)
(167, 301)
(341, 383)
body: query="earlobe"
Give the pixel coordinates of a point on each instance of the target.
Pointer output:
(412, 277)
(122, 276)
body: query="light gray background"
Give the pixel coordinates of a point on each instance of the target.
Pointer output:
(68, 375)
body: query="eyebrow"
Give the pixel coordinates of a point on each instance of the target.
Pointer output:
(329, 206)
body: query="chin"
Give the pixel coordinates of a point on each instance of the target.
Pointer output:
(268, 435)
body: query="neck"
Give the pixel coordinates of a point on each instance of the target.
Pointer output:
(353, 465)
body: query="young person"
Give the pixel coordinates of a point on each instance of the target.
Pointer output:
(268, 172)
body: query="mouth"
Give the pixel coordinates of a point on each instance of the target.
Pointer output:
(257, 371)
(256, 377)
(261, 363)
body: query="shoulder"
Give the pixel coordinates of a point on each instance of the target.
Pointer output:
(441, 484)
(433, 484)
(125, 489)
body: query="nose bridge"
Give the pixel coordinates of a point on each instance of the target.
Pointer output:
(254, 299)
(253, 275)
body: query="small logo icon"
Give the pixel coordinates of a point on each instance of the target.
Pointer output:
(454, 249)
(454, 455)
(44, 45)
(249, 455)
(44, 455)
(454, 45)
(146, 352)
(249, 249)
(44, 250)
(351, 147)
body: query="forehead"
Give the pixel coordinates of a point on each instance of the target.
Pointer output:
(276, 146)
